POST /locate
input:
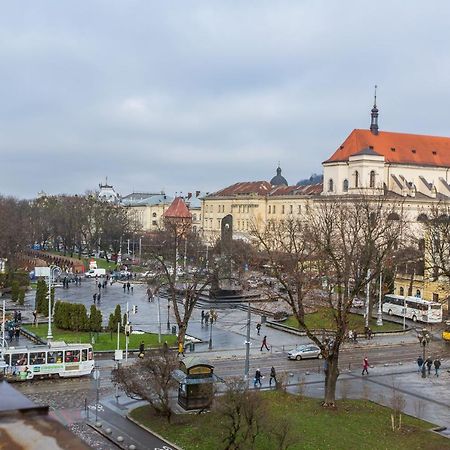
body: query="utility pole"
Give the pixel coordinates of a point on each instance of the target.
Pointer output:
(247, 347)
(159, 321)
(367, 299)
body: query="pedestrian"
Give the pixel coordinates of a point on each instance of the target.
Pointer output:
(369, 333)
(203, 316)
(437, 365)
(128, 286)
(131, 288)
(98, 297)
(99, 286)
(258, 328)
(94, 297)
(17, 332)
(15, 315)
(429, 363)
(124, 287)
(206, 318)
(141, 349)
(35, 317)
(180, 349)
(365, 366)
(273, 376)
(355, 337)
(19, 316)
(264, 344)
(419, 364)
(350, 335)
(11, 334)
(257, 379)
(149, 294)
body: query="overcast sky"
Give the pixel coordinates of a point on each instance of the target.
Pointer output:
(197, 95)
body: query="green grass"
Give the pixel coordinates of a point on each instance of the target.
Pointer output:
(103, 341)
(355, 424)
(101, 263)
(323, 319)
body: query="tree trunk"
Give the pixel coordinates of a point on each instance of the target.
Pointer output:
(331, 376)
(181, 333)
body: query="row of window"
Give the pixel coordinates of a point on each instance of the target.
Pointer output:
(345, 184)
(285, 209)
(48, 357)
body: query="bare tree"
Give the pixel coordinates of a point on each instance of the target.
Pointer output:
(336, 243)
(241, 411)
(150, 379)
(180, 268)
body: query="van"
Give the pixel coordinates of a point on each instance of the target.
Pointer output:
(95, 273)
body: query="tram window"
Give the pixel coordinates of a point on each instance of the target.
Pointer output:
(37, 358)
(84, 354)
(54, 357)
(7, 358)
(19, 359)
(73, 356)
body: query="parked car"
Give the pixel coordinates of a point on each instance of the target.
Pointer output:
(307, 351)
(357, 303)
(95, 273)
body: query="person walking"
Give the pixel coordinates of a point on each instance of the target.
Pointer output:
(98, 297)
(273, 376)
(437, 365)
(95, 297)
(264, 344)
(17, 332)
(429, 363)
(203, 316)
(355, 337)
(35, 318)
(365, 366)
(258, 328)
(124, 287)
(128, 287)
(419, 364)
(257, 379)
(141, 349)
(99, 286)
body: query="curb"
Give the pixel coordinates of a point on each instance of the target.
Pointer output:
(148, 430)
(106, 436)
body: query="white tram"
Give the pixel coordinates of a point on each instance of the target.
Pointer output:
(55, 359)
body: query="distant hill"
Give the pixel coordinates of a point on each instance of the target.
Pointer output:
(313, 179)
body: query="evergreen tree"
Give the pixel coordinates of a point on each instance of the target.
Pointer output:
(95, 319)
(15, 290)
(21, 296)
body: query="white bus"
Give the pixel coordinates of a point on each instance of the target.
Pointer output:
(417, 309)
(56, 359)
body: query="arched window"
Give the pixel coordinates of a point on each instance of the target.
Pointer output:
(402, 291)
(372, 179)
(330, 185)
(345, 185)
(356, 179)
(418, 293)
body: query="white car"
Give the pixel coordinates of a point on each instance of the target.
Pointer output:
(358, 303)
(307, 351)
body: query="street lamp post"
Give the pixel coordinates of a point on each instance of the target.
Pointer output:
(51, 275)
(367, 300)
(211, 321)
(168, 315)
(380, 311)
(424, 339)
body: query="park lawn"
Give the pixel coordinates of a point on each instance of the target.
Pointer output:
(355, 424)
(104, 340)
(101, 262)
(323, 319)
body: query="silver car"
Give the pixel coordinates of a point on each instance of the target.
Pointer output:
(307, 351)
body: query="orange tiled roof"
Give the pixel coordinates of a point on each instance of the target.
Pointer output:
(177, 210)
(400, 148)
